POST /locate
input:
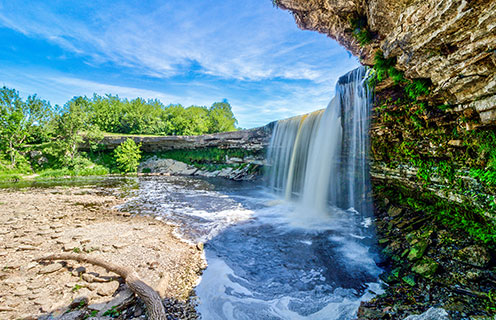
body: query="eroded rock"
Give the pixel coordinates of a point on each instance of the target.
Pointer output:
(450, 42)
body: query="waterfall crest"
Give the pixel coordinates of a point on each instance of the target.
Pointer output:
(320, 159)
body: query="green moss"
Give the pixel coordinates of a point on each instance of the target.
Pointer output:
(204, 155)
(417, 88)
(209, 159)
(462, 217)
(360, 30)
(385, 68)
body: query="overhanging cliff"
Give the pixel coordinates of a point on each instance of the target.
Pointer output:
(450, 42)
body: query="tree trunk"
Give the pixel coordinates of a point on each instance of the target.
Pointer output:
(12, 154)
(154, 306)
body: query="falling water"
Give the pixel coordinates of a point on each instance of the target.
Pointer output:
(261, 263)
(320, 158)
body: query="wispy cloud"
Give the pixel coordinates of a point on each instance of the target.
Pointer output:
(189, 52)
(163, 40)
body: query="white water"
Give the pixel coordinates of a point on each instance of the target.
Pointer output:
(307, 258)
(320, 159)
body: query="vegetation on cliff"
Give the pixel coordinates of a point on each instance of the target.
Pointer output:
(434, 171)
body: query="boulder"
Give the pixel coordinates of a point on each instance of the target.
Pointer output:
(431, 314)
(476, 256)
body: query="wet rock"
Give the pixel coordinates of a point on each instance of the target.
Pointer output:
(426, 267)
(431, 314)
(369, 313)
(418, 249)
(79, 301)
(476, 256)
(97, 306)
(123, 299)
(73, 315)
(394, 211)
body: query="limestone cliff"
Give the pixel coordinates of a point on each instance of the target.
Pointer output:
(450, 42)
(252, 139)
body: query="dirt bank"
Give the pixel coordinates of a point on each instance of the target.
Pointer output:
(37, 222)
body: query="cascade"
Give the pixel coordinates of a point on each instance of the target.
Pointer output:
(320, 159)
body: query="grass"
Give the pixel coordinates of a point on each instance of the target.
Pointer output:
(385, 68)
(97, 170)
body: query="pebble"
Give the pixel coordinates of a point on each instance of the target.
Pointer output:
(70, 246)
(107, 289)
(50, 268)
(26, 247)
(36, 285)
(88, 277)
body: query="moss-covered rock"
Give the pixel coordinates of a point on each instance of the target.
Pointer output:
(475, 255)
(426, 267)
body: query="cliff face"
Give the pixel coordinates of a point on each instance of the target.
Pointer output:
(253, 139)
(450, 42)
(433, 160)
(442, 142)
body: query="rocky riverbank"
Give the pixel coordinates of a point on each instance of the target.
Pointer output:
(430, 264)
(38, 222)
(233, 169)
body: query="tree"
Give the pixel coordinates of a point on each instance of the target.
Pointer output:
(106, 112)
(19, 120)
(221, 117)
(70, 125)
(127, 156)
(197, 121)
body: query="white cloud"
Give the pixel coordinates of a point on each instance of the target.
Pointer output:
(195, 51)
(231, 39)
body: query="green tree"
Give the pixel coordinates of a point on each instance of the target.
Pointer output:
(197, 121)
(175, 120)
(19, 120)
(70, 126)
(127, 156)
(221, 117)
(107, 112)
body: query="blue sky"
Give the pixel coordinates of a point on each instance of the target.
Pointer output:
(188, 52)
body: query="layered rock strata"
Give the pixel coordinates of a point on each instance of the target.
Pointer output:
(450, 42)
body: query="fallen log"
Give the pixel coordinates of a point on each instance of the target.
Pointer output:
(154, 306)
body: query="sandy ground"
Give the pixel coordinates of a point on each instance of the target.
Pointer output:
(37, 222)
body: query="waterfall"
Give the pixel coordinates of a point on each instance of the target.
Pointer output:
(320, 159)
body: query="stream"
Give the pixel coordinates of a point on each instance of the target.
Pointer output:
(264, 262)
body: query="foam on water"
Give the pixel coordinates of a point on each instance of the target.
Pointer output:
(303, 253)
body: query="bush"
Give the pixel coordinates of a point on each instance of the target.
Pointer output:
(127, 156)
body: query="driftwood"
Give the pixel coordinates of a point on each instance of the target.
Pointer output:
(154, 306)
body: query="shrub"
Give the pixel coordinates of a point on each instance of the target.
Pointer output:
(127, 156)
